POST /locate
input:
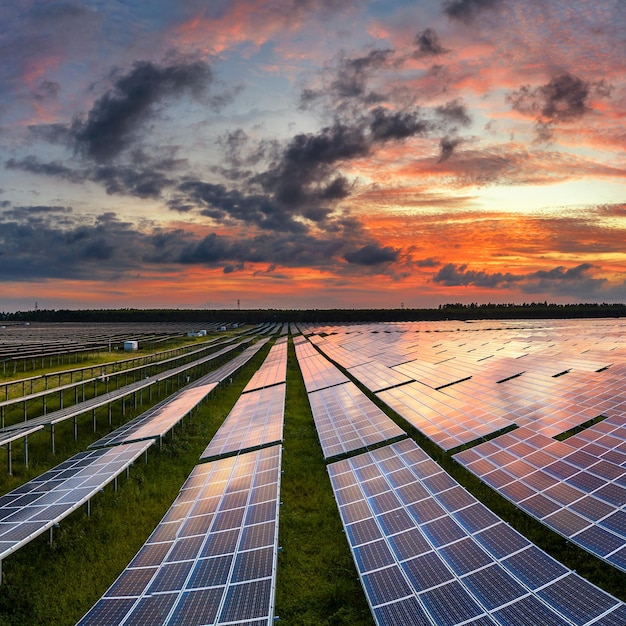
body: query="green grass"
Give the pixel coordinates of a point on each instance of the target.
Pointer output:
(317, 582)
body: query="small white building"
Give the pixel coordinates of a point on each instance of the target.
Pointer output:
(130, 346)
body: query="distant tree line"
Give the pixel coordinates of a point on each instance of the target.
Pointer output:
(457, 311)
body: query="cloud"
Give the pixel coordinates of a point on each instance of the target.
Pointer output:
(447, 148)
(467, 10)
(372, 254)
(453, 275)
(565, 98)
(427, 44)
(353, 73)
(113, 123)
(574, 282)
(454, 112)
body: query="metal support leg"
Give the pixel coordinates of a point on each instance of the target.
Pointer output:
(9, 467)
(26, 451)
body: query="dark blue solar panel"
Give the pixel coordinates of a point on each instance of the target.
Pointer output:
(443, 531)
(253, 564)
(501, 540)
(476, 517)
(246, 601)
(363, 532)
(211, 572)
(540, 506)
(408, 544)
(618, 559)
(426, 510)
(196, 607)
(455, 498)
(132, 582)
(534, 567)
(616, 522)
(395, 521)
(171, 577)
(494, 587)
(109, 612)
(528, 612)
(450, 604)
(373, 555)
(427, 571)
(591, 508)
(614, 618)
(152, 609)
(577, 599)
(407, 611)
(386, 585)
(465, 556)
(599, 541)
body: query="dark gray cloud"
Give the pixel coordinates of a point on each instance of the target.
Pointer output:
(33, 165)
(52, 242)
(353, 73)
(220, 203)
(447, 146)
(147, 181)
(563, 99)
(452, 275)
(559, 281)
(454, 113)
(372, 254)
(116, 117)
(427, 44)
(389, 126)
(467, 10)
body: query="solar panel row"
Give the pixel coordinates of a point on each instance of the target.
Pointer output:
(428, 552)
(212, 559)
(572, 491)
(32, 508)
(346, 419)
(273, 370)
(255, 420)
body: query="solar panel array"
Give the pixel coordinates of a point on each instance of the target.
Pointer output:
(458, 382)
(346, 419)
(428, 553)
(32, 508)
(255, 420)
(212, 559)
(273, 370)
(570, 489)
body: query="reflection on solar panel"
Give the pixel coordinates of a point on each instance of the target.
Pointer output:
(573, 492)
(447, 422)
(346, 419)
(317, 371)
(39, 504)
(161, 418)
(255, 420)
(273, 370)
(428, 552)
(377, 377)
(212, 559)
(550, 377)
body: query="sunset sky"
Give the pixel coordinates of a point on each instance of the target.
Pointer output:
(311, 153)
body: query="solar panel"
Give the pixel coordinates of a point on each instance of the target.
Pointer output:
(346, 419)
(31, 509)
(273, 370)
(160, 419)
(572, 495)
(220, 572)
(317, 371)
(255, 420)
(445, 558)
